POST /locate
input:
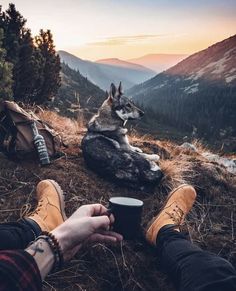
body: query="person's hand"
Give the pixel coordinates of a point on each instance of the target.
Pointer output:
(90, 223)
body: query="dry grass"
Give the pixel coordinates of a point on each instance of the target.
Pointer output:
(69, 129)
(132, 265)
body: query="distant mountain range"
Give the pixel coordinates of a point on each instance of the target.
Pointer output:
(159, 62)
(104, 72)
(199, 92)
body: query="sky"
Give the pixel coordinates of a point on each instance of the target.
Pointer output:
(125, 29)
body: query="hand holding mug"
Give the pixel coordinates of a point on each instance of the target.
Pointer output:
(90, 223)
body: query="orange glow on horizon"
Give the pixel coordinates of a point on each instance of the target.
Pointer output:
(174, 45)
(95, 29)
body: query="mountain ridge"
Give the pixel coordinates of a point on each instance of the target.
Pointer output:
(159, 62)
(122, 63)
(103, 75)
(204, 82)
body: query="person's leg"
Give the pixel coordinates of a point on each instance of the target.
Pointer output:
(189, 267)
(48, 214)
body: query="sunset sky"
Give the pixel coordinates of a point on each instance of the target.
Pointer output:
(95, 29)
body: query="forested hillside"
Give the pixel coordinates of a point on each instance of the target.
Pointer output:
(76, 92)
(198, 94)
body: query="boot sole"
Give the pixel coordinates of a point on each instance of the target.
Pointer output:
(168, 197)
(61, 198)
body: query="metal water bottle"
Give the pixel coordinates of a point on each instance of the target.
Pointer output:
(40, 145)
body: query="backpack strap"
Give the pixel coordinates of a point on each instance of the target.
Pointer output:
(8, 132)
(3, 129)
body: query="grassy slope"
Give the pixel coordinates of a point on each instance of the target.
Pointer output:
(132, 265)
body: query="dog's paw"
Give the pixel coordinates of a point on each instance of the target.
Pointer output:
(154, 157)
(136, 149)
(154, 166)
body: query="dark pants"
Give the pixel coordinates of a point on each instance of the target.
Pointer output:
(191, 268)
(17, 235)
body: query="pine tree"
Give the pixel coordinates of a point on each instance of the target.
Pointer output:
(13, 24)
(52, 66)
(26, 70)
(5, 74)
(36, 66)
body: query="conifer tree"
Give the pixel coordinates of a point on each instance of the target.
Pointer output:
(13, 24)
(26, 70)
(5, 73)
(36, 66)
(52, 67)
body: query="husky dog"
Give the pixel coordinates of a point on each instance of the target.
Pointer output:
(109, 124)
(111, 119)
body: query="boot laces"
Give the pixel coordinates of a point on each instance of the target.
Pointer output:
(176, 214)
(38, 208)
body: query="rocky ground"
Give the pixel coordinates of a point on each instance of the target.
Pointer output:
(131, 265)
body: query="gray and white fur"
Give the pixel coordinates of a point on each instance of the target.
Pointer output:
(110, 121)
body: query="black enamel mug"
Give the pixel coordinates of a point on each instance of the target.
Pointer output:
(128, 215)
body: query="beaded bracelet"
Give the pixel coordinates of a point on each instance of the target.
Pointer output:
(55, 248)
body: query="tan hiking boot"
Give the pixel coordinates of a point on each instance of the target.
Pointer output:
(179, 202)
(50, 211)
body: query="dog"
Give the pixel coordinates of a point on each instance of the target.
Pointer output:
(109, 125)
(112, 116)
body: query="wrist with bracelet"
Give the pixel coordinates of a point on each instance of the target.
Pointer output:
(55, 248)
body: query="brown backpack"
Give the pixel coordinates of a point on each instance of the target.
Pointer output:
(16, 135)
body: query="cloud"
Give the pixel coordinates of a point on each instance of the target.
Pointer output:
(127, 39)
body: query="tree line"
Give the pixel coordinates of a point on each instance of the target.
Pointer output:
(208, 112)
(29, 66)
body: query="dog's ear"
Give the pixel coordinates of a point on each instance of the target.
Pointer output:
(106, 94)
(112, 92)
(120, 89)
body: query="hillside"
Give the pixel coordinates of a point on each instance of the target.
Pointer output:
(159, 62)
(121, 63)
(132, 265)
(104, 74)
(198, 92)
(76, 92)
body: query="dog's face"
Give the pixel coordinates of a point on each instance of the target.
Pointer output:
(123, 106)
